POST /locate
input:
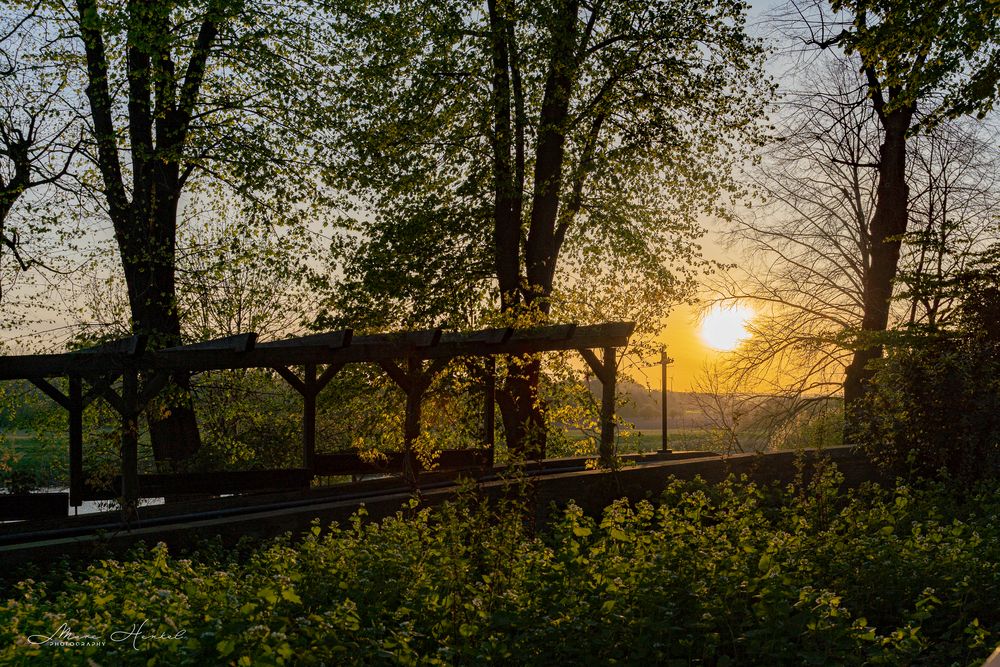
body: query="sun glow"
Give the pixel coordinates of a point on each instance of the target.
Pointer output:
(724, 328)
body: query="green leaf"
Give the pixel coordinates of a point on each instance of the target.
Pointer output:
(765, 563)
(225, 647)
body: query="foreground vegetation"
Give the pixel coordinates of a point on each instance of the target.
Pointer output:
(727, 574)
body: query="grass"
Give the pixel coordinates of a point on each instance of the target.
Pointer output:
(32, 450)
(29, 456)
(686, 439)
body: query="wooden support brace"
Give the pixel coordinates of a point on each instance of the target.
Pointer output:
(292, 379)
(397, 374)
(309, 387)
(51, 392)
(328, 374)
(100, 387)
(599, 368)
(433, 368)
(105, 391)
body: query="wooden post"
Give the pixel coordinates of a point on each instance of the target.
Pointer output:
(130, 443)
(490, 408)
(309, 418)
(608, 381)
(75, 441)
(411, 425)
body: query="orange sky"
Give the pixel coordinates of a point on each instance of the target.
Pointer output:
(686, 348)
(682, 338)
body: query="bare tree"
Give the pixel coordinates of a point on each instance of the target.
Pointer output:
(37, 134)
(809, 247)
(943, 63)
(955, 177)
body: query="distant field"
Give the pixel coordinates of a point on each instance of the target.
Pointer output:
(684, 439)
(687, 439)
(681, 439)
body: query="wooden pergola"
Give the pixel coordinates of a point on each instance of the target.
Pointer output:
(411, 359)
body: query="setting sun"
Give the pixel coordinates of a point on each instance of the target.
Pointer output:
(724, 328)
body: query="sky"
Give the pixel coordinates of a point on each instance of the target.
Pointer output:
(682, 335)
(685, 335)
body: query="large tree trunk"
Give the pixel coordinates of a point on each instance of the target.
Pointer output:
(173, 427)
(160, 107)
(523, 411)
(887, 226)
(507, 170)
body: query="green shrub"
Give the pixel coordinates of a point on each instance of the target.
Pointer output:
(935, 405)
(731, 574)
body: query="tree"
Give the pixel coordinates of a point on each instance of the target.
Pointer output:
(492, 145)
(808, 248)
(180, 94)
(38, 138)
(935, 398)
(955, 177)
(940, 55)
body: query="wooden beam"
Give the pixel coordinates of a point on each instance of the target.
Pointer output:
(400, 341)
(430, 344)
(330, 340)
(128, 347)
(542, 339)
(351, 463)
(239, 343)
(32, 506)
(487, 336)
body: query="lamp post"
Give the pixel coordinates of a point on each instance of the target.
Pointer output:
(664, 360)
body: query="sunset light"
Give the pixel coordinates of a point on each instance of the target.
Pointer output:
(708, 288)
(724, 328)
